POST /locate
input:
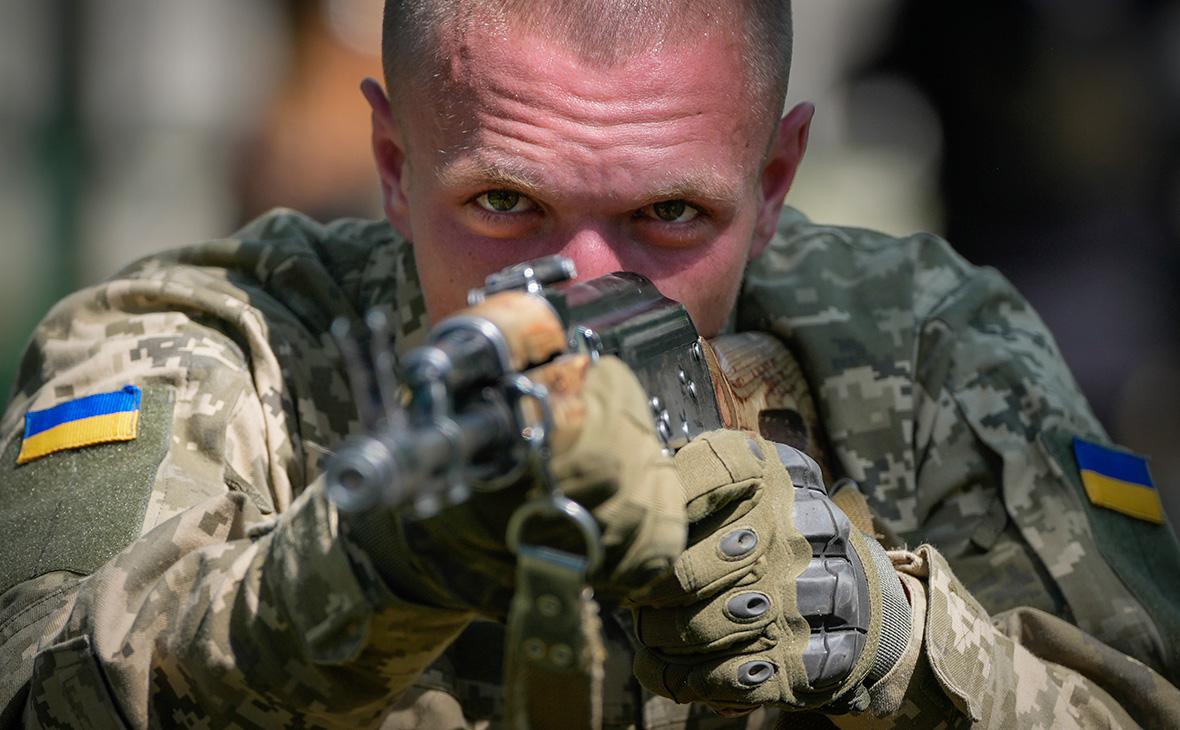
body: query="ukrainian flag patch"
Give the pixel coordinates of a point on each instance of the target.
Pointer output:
(94, 419)
(1118, 480)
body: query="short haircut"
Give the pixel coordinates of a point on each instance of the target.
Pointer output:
(605, 32)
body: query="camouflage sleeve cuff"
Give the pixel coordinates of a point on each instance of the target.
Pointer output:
(911, 685)
(960, 666)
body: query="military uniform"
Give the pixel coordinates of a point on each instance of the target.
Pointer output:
(190, 568)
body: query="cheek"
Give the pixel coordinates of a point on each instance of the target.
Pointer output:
(451, 260)
(709, 286)
(447, 264)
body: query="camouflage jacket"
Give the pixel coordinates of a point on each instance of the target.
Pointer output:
(189, 571)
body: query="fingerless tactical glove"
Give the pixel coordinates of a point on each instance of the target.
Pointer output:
(778, 599)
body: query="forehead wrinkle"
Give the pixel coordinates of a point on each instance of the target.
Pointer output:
(569, 125)
(707, 180)
(593, 102)
(645, 93)
(522, 136)
(515, 118)
(488, 92)
(595, 105)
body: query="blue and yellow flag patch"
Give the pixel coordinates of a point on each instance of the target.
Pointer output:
(1118, 480)
(94, 419)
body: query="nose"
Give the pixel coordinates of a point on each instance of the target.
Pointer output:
(593, 252)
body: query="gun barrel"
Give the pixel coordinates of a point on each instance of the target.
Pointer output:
(412, 467)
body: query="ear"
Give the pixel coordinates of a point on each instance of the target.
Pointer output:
(389, 152)
(778, 171)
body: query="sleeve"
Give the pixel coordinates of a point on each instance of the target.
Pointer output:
(944, 394)
(1024, 668)
(999, 403)
(149, 580)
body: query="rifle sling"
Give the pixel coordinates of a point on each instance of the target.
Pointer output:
(554, 650)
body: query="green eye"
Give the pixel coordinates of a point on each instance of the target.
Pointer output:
(504, 201)
(671, 211)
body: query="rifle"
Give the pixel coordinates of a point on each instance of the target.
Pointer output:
(463, 414)
(480, 403)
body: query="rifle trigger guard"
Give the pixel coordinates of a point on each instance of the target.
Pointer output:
(556, 505)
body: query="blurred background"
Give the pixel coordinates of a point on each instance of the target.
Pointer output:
(1041, 137)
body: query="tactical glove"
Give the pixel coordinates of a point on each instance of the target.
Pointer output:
(778, 599)
(607, 458)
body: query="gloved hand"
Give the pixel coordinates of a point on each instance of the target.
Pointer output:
(778, 599)
(607, 458)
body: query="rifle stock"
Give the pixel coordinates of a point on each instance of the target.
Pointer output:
(760, 387)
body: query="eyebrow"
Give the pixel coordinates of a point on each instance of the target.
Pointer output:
(699, 185)
(476, 172)
(471, 172)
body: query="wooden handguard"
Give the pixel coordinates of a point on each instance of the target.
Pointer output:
(528, 324)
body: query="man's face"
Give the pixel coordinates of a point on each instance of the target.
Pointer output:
(657, 165)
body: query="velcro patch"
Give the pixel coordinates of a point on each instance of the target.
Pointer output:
(76, 509)
(94, 419)
(1118, 480)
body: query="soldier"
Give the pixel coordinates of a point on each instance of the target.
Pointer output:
(173, 559)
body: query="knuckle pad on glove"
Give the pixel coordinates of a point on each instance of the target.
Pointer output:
(705, 569)
(714, 562)
(721, 506)
(735, 618)
(747, 679)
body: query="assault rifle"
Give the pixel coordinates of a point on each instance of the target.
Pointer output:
(463, 413)
(482, 402)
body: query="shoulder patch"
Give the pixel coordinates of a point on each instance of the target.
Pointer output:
(76, 510)
(1145, 555)
(1118, 480)
(94, 419)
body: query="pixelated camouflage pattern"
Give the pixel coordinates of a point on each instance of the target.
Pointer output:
(934, 379)
(990, 673)
(238, 604)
